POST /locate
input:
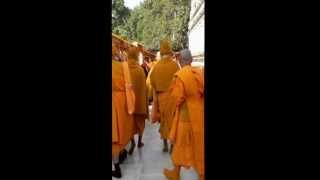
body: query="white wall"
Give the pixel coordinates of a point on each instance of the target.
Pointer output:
(196, 38)
(196, 28)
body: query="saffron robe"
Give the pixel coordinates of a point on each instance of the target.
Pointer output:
(138, 80)
(122, 121)
(148, 81)
(160, 78)
(187, 131)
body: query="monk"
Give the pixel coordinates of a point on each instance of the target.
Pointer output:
(187, 131)
(122, 120)
(144, 65)
(160, 78)
(138, 79)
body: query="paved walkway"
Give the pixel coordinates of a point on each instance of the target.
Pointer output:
(148, 162)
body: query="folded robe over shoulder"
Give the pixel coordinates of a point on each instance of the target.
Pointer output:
(187, 131)
(122, 121)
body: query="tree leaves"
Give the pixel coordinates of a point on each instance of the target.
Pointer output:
(120, 13)
(152, 21)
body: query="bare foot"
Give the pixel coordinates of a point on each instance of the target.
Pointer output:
(201, 177)
(171, 174)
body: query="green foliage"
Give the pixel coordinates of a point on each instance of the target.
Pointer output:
(154, 20)
(120, 13)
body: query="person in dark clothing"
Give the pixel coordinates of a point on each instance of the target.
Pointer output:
(145, 65)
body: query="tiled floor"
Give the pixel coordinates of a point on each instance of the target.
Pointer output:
(148, 162)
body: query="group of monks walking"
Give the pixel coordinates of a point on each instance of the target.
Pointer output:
(176, 90)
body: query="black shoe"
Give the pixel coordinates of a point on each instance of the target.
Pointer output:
(117, 172)
(122, 156)
(132, 149)
(165, 149)
(165, 146)
(140, 145)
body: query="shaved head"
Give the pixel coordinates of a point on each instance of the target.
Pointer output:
(185, 57)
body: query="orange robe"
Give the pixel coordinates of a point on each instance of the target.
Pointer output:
(122, 121)
(149, 87)
(187, 131)
(160, 79)
(138, 80)
(130, 97)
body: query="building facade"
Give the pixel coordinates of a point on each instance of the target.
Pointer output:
(196, 30)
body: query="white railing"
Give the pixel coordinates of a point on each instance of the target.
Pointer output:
(198, 61)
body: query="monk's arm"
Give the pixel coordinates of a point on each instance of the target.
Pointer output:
(177, 98)
(177, 92)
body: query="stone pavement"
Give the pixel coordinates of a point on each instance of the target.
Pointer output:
(148, 162)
